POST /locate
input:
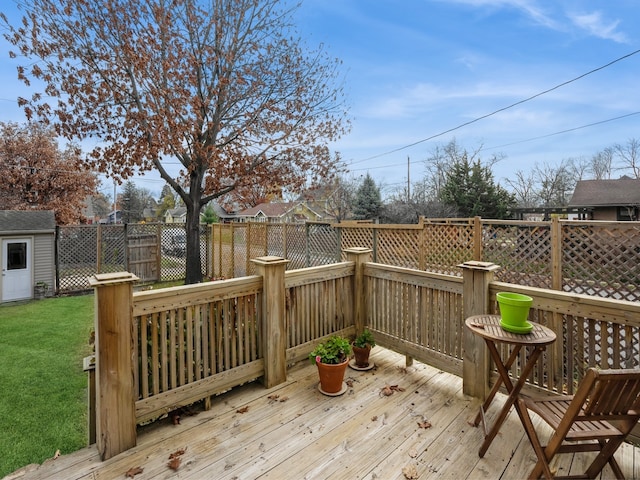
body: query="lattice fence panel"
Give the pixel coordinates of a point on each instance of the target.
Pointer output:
(239, 257)
(295, 245)
(77, 257)
(173, 241)
(323, 246)
(356, 237)
(398, 247)
(446, 246)
(256, 244)
(523, 252)
(602, 260)
(276, 239)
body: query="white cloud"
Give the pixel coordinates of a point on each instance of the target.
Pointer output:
(596, 25)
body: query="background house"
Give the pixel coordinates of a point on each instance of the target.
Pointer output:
(179, 215)
(290, 212)
(28, 253)
(613, 200)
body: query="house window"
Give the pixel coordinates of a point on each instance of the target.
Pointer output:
(16, 256)
(627, 214)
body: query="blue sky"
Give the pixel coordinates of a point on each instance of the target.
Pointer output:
(416, 68)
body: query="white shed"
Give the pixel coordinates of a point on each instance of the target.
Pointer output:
(28, 253)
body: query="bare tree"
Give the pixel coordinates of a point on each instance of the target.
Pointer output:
(602, 163)
(629, 156)
(555, 183)
(226, 88)
(524, 187)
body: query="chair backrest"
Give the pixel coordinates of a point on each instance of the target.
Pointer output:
(608, 394)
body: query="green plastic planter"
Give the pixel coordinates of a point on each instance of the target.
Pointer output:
(514, 311)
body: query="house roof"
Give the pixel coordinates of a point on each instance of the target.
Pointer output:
(605, 193)
(273, 210)
(27, 221)
(217, 208)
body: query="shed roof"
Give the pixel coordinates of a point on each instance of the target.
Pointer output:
(605, 193)
(27, 221)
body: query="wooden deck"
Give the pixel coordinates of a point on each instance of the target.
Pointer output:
(294, 432)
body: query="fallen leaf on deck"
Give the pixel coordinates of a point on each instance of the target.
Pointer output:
(410, 472)
(57, 454)
(243, 409)
(132, 472)
(374, 418)
(174, 463)
(273, 397)
(413, 453)
(389, 389)
(177, 453)
(284, 399)
(424, 424)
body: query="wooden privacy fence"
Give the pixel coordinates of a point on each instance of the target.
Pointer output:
(595, 258)
(159, 350)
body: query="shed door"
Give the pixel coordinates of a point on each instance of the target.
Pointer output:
(16, 269)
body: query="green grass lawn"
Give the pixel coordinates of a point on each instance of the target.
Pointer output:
(43, 390)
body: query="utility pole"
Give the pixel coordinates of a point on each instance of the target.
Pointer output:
(408, 180)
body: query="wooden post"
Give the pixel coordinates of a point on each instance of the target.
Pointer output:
(89, 366)
(115, 402)
(476, 277)
(274, 335)
(359, 255)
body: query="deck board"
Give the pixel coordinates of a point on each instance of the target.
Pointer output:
(293, 431)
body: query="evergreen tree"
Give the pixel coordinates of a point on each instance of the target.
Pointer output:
(368, 203)
(209, 215)
(471, 189)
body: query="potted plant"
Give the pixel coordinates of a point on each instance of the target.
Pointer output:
(362, 346)
(332, 357)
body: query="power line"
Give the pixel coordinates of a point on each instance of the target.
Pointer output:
(519, 141)
(520, 102)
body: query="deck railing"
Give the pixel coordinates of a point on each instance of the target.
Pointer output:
(159, 350)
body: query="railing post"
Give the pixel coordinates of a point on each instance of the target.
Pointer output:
(359, 255)
(274, 334)
(476, 277)
(115, 402)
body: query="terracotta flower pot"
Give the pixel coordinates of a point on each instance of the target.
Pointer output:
(331, 376)
(361, 355)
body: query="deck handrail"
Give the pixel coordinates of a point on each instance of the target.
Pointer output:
(189, 343)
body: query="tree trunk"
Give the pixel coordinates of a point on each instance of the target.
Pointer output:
(194, 263)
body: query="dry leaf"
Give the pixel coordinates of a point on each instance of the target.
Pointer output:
(244, 409)
(284, 399)
(389, 389)
(413, 453)
(175, 418)
(57, 454)
(273, 397)
(177, 453)
(410, 472)
(424, 424)
(374, 418)
(174, 463)
(132, 472)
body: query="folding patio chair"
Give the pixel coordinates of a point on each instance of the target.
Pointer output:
(600, 415)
